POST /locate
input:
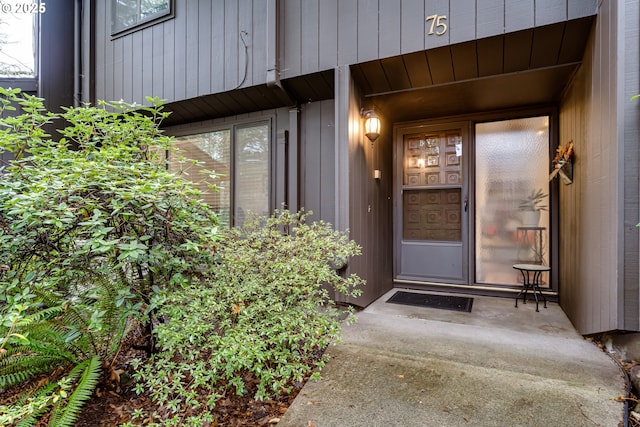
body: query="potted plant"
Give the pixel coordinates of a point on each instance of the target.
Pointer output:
(531, 206)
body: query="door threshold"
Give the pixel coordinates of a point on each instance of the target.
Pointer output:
(471, 289)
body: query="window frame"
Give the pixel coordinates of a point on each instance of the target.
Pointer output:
(140, 23)
(194, 129)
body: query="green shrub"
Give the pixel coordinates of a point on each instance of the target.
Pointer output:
(91, 226)
(259, 325)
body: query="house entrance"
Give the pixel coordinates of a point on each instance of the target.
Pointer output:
(463, 192)
(432, 204)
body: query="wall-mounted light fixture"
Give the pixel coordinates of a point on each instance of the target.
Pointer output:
(371, 124)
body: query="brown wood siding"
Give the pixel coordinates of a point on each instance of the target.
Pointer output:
(573, 122)
(598, 237)
(198, 52)
(202, 49)
(317, 135)
(363, 204)
(630, 148)
(363, 30)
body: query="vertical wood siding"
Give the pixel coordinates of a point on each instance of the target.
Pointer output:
(598, 237)
(317, 136)
(328, 41)
(362, 30)
(198, 52)
(202, 49)
(630, 152)
(573, 126)
(363, 204)
(328, 151)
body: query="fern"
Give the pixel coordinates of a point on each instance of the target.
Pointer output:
(32, 418)
(17, 368)
(45, 351)
(60, 333)
(51, 396)
(115, 319)
(65, 413)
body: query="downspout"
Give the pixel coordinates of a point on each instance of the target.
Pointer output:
(273, 74)
(291, 137)
(77, 11)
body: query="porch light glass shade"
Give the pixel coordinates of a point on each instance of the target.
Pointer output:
(371, 125)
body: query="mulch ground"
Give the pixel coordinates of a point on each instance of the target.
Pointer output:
(114, 402)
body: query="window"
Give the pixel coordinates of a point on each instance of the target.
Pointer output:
(130, 14)
(239, 155)
(18, 46)
(508, 155)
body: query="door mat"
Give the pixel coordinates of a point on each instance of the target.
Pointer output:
(445, 302)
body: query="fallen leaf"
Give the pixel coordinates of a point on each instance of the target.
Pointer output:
(400, 376)
(114, 374)
(236, 308)
(274, 420)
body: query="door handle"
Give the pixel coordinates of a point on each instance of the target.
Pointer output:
(466, 204)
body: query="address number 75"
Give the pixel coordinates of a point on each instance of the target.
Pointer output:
(437, 22)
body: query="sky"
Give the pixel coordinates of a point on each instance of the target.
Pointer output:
(16, 29)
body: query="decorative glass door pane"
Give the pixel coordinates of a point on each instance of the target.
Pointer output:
(432, 215)
(432, 187)
(511, 159)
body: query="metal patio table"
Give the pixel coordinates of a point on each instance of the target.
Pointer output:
(531, 279)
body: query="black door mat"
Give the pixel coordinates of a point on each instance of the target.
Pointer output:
(444, 302)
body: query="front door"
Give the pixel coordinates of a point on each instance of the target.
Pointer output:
(463, 219)
(432, 203)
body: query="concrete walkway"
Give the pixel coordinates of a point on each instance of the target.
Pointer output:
(496, 366)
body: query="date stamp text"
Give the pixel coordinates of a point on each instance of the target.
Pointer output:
(22, 8)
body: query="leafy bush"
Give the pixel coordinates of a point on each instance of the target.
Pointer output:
(91, 227)
(96, 233)
(258, 325)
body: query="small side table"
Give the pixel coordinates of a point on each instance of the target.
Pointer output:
(531, 277)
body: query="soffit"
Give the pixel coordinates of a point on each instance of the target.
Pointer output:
(290, 92)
